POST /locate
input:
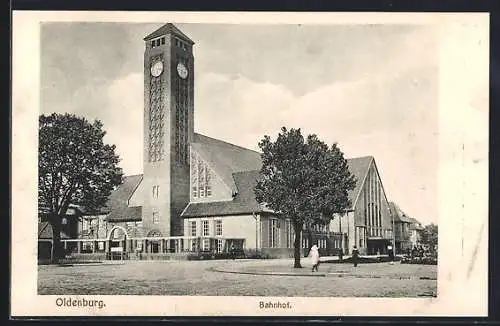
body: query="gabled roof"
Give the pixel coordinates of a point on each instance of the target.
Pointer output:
(45, 231)
(398, 214)
(359, 167)
(415, 224)
(117, 204)
(243, 203)
(168, 28)
(226, 158)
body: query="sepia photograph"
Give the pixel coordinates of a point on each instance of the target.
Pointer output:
(180, 158)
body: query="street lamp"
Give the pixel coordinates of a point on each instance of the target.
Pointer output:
(256, 231)
(393, 235)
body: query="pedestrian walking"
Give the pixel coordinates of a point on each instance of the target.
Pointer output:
(232, 251)
(355, 256)
(390, 251)
(314, 254)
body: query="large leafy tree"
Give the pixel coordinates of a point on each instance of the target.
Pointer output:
(430, 235)
(75, 167)
(304, 180)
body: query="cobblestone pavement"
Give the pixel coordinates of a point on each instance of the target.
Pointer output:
(198, 278)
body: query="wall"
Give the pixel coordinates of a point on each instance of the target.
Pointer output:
(344, 223)
(220, 191)
(98, 224)
(234, 226)
(255, 232)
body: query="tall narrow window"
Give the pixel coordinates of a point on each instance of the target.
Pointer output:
(208, 188)
(274, 233)
(193, 228)
(219, 245)
(218, 227)
(156, 217)
(206, 244)
(194, 175)
(201, 178)
(206, 228)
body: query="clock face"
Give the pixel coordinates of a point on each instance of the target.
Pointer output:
(157, 68)
(182, 71)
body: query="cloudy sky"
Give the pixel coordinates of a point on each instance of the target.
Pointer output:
(371, 88)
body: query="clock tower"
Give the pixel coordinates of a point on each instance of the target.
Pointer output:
(168, 129)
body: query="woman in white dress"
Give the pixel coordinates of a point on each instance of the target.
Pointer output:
(314, 254)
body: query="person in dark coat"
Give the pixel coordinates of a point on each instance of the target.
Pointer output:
(390, 252)
(232, 251)
(355, 256)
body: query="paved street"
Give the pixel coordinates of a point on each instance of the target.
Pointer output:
(199, 278)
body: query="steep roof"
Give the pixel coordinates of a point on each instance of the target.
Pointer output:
(117, 204)
(226, 158)
(237, 166)
(398, 214)
(243, 203)
(359, 167)
(168, 28)
(125, 214)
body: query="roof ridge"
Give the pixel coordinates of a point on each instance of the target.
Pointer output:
(360, 157)
(246, 171)
(44, 227)
(228, 143)
(168, 28)
(134, 175)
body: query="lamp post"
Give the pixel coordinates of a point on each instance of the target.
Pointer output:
(393, 235)
(256, 231)
(341, 235)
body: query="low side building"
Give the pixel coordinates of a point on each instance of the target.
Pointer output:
(402, 228)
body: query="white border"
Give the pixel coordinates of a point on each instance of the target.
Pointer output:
(463, 185)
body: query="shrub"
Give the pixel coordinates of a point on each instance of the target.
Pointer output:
(419, 260)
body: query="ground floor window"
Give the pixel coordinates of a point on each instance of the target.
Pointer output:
(289, 234)
(305, 243)
(87, 246)
(274, 233)
(206, 244)
(193, 228)
(219, 245)
(361, 236)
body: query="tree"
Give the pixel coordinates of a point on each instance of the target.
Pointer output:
(75, 167)
(303, 180)
(430, 236)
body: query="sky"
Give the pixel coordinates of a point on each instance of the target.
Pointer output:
(373, 89)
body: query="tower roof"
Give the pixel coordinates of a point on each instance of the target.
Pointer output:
(168, 28)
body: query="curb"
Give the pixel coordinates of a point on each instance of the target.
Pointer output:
(267, 273)
(319, 275)
(86, 264)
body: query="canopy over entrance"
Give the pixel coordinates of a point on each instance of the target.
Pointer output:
(377, 246)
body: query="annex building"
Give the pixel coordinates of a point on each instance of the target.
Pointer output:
(196, 192)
